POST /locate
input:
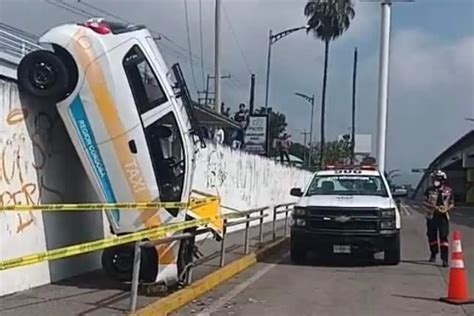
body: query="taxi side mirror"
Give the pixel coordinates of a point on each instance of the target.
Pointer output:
(296, 192)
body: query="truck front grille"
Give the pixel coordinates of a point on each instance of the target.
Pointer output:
(343, 219)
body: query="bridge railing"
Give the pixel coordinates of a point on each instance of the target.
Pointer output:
(16, 43)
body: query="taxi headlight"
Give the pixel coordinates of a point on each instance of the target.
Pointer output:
(389, 213)
(298, 211)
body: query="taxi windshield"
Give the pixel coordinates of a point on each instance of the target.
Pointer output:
(347, 185)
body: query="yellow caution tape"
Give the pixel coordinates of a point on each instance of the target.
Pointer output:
(69, 251)
(106, 206)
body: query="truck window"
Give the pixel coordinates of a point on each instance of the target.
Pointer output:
(347, 185)
(146, 88)
(167, 154)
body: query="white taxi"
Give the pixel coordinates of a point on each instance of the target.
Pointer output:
(134, 135)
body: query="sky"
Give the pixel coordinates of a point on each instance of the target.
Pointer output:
(431, 68)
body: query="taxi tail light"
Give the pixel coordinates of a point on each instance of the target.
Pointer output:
(98, 27)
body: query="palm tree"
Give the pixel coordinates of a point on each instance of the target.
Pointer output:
(327, 20)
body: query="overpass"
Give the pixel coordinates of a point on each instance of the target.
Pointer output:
(458, 162)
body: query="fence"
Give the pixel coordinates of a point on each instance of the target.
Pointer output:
(229, 221)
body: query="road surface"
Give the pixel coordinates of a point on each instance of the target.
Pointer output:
(278, 287)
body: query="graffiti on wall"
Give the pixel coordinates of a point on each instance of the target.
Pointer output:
(23, 156)
(244, 179)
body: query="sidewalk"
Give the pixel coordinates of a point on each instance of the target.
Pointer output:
(94, 294)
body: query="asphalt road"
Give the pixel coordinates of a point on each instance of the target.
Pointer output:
(277, 287)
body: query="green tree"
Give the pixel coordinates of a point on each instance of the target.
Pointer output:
(277, 125)
(327, 20)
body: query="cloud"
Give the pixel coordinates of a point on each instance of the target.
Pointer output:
(431, 92)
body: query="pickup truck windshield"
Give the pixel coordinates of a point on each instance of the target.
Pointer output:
(347, 185)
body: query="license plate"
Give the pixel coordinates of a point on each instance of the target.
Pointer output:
(341, 249)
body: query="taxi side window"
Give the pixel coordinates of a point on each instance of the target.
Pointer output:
(146, 88)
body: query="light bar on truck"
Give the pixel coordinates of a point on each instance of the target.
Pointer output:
(350, 167)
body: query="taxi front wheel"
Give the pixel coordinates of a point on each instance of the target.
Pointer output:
(43, 74)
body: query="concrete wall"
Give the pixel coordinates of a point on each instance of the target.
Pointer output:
(39, 165)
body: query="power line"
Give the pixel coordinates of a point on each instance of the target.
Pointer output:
(102, 11)
(201, 40)
(189, 43)
(58, 5)
(175, 52)
(68, 5)
(244, 58)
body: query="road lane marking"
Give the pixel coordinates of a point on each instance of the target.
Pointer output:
(215, 306)
(405, 209)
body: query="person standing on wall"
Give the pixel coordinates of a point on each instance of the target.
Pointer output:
(439, 201)
(241, 117)
(284, 148)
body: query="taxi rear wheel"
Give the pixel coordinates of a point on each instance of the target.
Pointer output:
(117, 263)
(43, 74)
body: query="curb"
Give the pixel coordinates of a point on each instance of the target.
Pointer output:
(186, 295)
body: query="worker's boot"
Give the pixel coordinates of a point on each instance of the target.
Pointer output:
(432, 257)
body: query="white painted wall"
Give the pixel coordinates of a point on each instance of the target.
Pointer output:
(39, 165)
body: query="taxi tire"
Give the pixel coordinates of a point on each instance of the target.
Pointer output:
(54, 66)
(392, 252)
(148, 266)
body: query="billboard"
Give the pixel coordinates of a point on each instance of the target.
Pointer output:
(256, 134)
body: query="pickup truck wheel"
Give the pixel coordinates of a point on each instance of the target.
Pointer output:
(297, 253)
(392, 251)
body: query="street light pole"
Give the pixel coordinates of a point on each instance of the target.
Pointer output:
(310, 100)
(272, 39)
(383, 84)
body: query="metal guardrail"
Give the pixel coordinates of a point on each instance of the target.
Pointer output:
(248, 218)
(15, 42)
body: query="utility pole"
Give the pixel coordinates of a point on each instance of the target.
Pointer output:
(252, 93)
(217, 66)
(354, 79)
(383, 81)
(207, 92)
(207, 89)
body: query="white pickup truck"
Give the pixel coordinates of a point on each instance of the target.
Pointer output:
(346, 211)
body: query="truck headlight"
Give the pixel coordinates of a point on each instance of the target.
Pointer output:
(300, 222)
(388, 213)
(387, 224)
(298, 211)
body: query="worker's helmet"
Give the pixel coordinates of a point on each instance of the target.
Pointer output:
(439, 177)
